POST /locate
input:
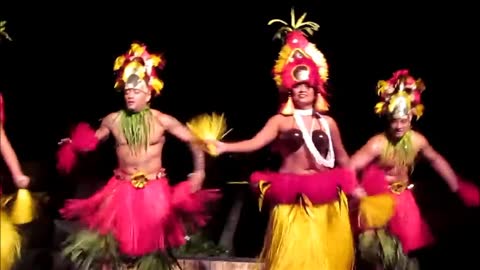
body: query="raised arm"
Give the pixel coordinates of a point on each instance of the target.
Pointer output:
(341, 154)
(265, 136)
(437, 161)
(11, 159)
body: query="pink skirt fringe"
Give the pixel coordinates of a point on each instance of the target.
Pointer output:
(320, 188)
(143, 220)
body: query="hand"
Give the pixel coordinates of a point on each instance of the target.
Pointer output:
(215, 147)
(64, 140)
(196, 180)
(21, 180)
(359, 193)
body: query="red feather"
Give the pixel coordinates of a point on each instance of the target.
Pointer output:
(469, 193)
(83, 139)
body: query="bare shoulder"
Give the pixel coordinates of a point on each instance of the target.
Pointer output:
(331, 122)
(419, 140)
(376, 142)
(165, 120)
(108, 120)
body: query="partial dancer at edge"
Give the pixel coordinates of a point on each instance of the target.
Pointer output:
(388, 159)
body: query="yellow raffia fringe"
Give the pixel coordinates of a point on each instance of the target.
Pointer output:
(375, 211)
(208, 127)
(22, 206)
(305, 236)
(10, 242)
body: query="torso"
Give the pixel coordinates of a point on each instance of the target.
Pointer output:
(398, 170)
(291, 146)
(147, 160)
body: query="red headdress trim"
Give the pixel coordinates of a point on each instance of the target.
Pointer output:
(299, 61)
(138, 61)
(297, 49)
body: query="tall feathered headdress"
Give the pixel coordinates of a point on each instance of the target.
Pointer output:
(400, 95)
(139, 62)
(299, 61)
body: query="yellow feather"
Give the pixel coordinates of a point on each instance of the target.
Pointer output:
(119, 62)
(157, 85)
(208, 127)
(379, 107)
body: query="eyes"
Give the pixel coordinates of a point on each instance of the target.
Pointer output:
(132, 90)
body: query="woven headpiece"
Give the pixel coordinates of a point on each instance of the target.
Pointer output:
(139, 63)
(400, 95)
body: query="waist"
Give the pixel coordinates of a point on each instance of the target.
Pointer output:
(399, 186)
(122, 175)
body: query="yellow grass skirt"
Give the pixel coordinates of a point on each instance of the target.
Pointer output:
(309, 237)
(10, 242)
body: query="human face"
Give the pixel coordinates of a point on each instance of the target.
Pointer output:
(400, 125)
(136, 99)
(303, 96)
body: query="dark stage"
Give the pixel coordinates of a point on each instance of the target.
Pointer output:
(57, 71)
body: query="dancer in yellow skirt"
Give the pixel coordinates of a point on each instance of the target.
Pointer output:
(10, 240)
(21, 209)
(309, 226)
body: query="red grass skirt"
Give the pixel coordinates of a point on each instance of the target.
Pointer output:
(319, 188)
(407, 223)
(143, 220)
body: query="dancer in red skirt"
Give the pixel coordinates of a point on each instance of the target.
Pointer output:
(388, 159)
(137, 212)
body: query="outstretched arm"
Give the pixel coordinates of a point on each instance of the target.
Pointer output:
(438, 162)
(11, 160)
(265, 136)
(341, 154)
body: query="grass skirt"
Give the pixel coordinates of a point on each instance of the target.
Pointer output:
(143, 220)
(305, 233)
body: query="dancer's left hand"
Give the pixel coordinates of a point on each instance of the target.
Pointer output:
(196, 180)
(21, 181)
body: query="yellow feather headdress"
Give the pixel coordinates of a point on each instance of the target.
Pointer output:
(400, 95)
(138, 61)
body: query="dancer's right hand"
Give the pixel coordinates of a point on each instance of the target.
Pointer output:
(21, 181)
(64, 140)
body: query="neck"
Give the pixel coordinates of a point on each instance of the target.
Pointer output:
(135, 127)
(304, 111)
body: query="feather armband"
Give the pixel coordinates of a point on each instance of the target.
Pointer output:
(82, 139)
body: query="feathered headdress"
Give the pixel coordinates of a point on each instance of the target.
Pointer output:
(139, 62)
(400, 95)
(299, 61)
(3, 31)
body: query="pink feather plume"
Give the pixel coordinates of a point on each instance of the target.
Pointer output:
(83, 139)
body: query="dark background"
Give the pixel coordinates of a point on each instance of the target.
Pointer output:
(58, 71)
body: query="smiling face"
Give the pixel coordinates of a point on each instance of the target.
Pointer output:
(303, 96)
(400, 125)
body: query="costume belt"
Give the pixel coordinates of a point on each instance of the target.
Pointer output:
(139, 179)
(400, 186)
